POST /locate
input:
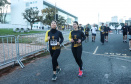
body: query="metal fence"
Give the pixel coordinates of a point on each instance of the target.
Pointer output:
(8, 49)
(14, 48)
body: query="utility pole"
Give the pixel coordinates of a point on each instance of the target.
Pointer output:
(55, 11)
(98, 19)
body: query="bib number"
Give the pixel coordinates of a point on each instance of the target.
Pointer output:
(53, 42)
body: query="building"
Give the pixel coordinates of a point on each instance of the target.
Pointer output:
(18, 7)
(114, 19)
(121, 21)
(128, 22)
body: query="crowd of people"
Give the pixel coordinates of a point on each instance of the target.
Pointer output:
(76, 37)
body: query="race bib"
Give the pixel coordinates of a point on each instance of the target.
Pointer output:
(53, 42)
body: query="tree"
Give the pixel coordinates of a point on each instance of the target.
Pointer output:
(31, 15)
(49, 15)
(3, 10)
(61, 20)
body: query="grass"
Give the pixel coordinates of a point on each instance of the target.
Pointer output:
(4, 32)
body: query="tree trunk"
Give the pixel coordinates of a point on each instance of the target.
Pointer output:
(31, 24)
(5, 15)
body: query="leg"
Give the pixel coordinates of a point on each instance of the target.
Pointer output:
(102, 38)
(79, 53)
(88, 38)
(54, 59)
(107, 37)
(130, 43)
(94, 38)
(125, 37)
(74, 51)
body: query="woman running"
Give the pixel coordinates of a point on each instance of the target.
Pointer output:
(55, 38)
(76, 37)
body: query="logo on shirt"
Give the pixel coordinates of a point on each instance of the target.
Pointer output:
(53, 37)
(75, 36)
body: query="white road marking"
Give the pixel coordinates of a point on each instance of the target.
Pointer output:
(95, 50)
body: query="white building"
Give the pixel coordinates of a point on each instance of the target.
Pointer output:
(121, 21)
(114, 19)
(18, 7)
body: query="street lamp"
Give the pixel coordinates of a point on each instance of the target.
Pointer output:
(55, 11)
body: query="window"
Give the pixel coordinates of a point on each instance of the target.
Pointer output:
(27, 4)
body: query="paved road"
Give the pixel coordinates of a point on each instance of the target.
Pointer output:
(103, 64)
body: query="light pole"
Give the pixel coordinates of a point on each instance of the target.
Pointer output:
(55, 11)
(98, 19)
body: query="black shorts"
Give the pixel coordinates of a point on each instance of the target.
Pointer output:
(87, 35)
(106, 34)
(124, 33)
(93, 34)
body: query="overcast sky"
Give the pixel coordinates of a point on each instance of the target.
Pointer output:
(87, 10)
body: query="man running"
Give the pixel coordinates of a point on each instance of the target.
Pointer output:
(102, 33)
(93, 31)
(86, 30)
(106, 30)
(80, 27)
(125, 29)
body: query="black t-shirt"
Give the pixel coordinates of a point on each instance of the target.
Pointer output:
(75, 35)
(129, 30)
(87, 29)
(125, 28)
(106, 29)
(55, 35)
(81, 28)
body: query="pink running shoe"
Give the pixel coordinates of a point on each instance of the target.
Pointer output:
(80, 73)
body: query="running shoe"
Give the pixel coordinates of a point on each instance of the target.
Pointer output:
(54, 77)
(58, 70)
(80, 70)
(80, 73)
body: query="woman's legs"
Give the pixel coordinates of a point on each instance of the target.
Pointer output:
(79, 53)
(74, 51)
(55, 54)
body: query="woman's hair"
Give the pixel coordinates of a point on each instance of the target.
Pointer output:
(53, 21)
(75, 22)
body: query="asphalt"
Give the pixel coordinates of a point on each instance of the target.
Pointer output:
(103, 64)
